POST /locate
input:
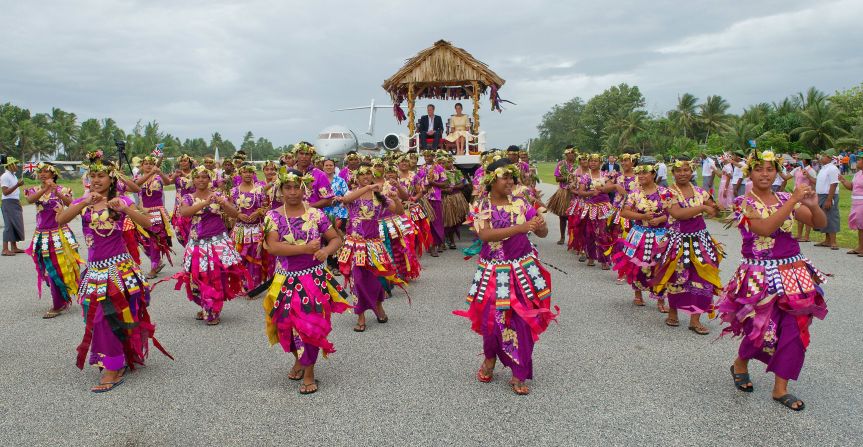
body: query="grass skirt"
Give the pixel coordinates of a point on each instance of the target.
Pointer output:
(55, 253)
(298, 308)
(560, 201)
(114, 297)
(455, 210)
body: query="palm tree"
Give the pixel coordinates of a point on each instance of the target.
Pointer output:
(63, 130)
(740, 132)
(714, 114)
(812, 97)
(819, 128)
(685, 115)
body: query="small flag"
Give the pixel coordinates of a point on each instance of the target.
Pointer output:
(752, 143)
(30, 167)
(157, 152)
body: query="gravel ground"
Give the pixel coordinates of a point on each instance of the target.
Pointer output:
(608, 373)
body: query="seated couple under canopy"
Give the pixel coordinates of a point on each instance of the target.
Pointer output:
(431, 127)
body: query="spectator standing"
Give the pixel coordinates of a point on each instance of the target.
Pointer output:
(13, 215)
(826, 184)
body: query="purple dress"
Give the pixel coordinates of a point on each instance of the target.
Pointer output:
(304, 294)
(183, 185)
(639, 251)
(436, 174)
(364, 258)
(158, 242)
(688, 271)
(595, 212)
(509, 301)
(113, 294)
(774, 294)
(54, 249)
(248, 236)
(560, 200)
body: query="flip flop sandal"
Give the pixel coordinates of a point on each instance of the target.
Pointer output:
(662, 310)
(789, 400)
(19, 251)
(639, 303)
(520, 389)
(292, 376)
(51, 314)
(700, 330)
(820, 244)
(672, 323)
(741, 380)
(214, 322)
(199, 315)
(304, 388)
(852, 252)
(483, 378)
(113, 384)
(360, 328)
(8, 254)
(152, 275)
(383, 320)
(582, 258)
(559, 242)
(159, 268)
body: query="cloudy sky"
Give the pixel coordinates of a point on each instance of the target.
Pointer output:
(277, 68)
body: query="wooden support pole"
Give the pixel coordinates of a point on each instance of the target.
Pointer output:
(411, 116)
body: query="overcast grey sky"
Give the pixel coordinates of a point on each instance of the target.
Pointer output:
(277, 68)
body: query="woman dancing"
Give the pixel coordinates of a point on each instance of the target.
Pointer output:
(213, 270)
(113, 292)
(304, 294)
(54, 249)
(251, 202)
(510, 298)
(647, 208)
(688, 271)
(596, 209)
(455, 206)
(409, 181)
(561, 199)
(364, 260)
(397, 230)
(625, 184)
(158, 240)
(775, 292)
(183, 184)
(575, 222)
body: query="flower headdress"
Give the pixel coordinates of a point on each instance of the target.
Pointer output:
(270, 163)
(286, 176)
(202, 170)
(304, 148)
(681, 163)
(583, 156)
(186, 157)
(247, 167)
(150, 159)
(103, 166)
(209, 160)
(645, 168)
(491, 176)
(95, 155)
(364, 170)
(595, 156)
(633, 157)
(352, 157)
(569, 150)
(47, 167)
(391, 168)
(756, 158)
(428, 153)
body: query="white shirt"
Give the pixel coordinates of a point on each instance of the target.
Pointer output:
(779, 178)
(661, 171)
(431, 123)
(707, 167)
(9, 180)
(827, 175)
(736, 175)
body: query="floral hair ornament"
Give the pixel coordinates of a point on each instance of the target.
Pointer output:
(185, 157)
(633, 157)
(645, 168)
(270, 164)
(203, 170)
(286, 176)
(756, 158)
(150, 159)
(681, 163)
(42, 166)
(595, 156)
(103, 166)
(247, 167)
(209, 160)
(95, 155)
(491, 176)
(569, 150)
(364, 170)
(304, 148)
(352, 157)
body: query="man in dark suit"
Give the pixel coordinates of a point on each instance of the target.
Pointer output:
(431, 125)
(610, 165)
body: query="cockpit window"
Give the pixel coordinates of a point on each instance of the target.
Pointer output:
(324, 136)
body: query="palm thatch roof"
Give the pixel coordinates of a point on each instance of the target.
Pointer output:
(441, 66)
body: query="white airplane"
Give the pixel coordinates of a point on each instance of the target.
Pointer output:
(336, 141)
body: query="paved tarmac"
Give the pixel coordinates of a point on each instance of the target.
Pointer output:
(608, 373)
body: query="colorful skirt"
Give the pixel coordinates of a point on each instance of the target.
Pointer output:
(214, 273)
(114, 297)
(575, 226)
(597, 237)
(55, 253)
(641, 251)
(367, 267)
(249, 242)
(764, 296)
(455, 209)
(688, 271)
(397, 233)
(509, 305)
(134, 236)
(422, 228)
(560, 201)
(157, 238)
(298, 308)
(182, 225)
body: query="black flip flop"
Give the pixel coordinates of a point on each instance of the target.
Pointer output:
(788, 400)
(741, 380)
(313, 391)
(360, 328)
(295, 378)
(383, 320)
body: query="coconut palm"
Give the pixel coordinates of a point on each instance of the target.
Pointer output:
(740, 132)
(819, 129)
(63, 130)
(714, 116)
(810, 98)
(685, 115)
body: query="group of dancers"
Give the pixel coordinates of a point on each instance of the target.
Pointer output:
(313, 243)
(656, 239)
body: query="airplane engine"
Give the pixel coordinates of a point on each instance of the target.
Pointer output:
(392, 142)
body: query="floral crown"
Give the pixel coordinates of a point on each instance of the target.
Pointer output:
(364, 170)
(286, 176)
(269, 163)
(681, 163)
(352, 157)
(583, 156)
(185, 157)
(501, 171)
(570, 150)
(304, 148)
(209, 159)
(756, 158)
(391, 168)
(202, 170)
(644, 168)
(246, 167)
(595, 156)
(633, 157)
(47, 167)
(150, 159)
(428, 153)
(95, 154)
(103, 166)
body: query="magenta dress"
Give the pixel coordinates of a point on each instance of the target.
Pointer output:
(213, 270)
(688, 270)
(398, 233)
(364, 259)
(54, 249)
(183, 185)
(643, 241)
(509, 301)
(304, 294)
(158, 241)
(595, 212)
(114, 296)
(774, 294)
(249, 236)
(423, 238)
(619, 226)
(436, 173)
(855, 217)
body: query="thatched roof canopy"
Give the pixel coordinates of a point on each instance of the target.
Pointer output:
(441, 67)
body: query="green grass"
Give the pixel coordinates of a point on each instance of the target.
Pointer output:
(845, 238)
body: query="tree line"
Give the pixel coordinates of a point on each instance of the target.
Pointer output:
(615, 121)
(60, 136)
